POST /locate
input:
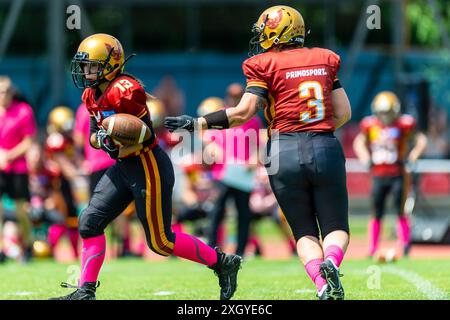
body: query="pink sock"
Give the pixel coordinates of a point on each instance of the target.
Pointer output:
(313, 270)
(74, 237)
(334, 253)
(374, 235)
(55, 233)
(403, 230)
(191, 248)
(92, 258)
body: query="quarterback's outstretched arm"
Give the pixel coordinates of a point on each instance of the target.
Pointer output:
(246, 109)
(249, 105)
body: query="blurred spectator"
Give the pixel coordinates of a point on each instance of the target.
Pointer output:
(170, 95)
(438, 145)
(198, 195)
(17, 130)
(264, 205)
(233, 94)
(235, 177)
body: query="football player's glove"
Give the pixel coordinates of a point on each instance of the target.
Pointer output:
(181, 122)
(105, 142)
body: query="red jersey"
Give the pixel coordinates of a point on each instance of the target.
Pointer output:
(298, 83)
(388, 145)
(59, 143)
(123, 95)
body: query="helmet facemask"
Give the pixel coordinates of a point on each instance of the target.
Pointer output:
(387, 117)
(81, 66)
(258, 37)
(386, 107)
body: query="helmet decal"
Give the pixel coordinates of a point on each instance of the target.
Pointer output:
(116, 53)
(274, 21)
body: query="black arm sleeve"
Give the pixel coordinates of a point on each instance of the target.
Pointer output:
(336, 84)
(259, 91)
(93, 128)
(217, 120)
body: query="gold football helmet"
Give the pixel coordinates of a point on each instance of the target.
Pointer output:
(61, 120)
(101, 55)
(41, 249)
(277, 25)
(209, 105)
(386, 106)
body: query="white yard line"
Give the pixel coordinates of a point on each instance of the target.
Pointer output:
(424, 286)
(163, 293)
(20, 293)
(304, 291)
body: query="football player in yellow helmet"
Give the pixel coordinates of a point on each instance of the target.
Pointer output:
(143, 172)
(61, 119)
(388, 144)
(99, 58)
(277, 25)
(300, 92)
(386, 107)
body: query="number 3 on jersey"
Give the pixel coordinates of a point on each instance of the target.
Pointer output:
(316, 101)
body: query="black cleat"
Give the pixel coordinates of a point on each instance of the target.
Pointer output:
(85, 292)
(226, 269)
(322, 295)
(330, 273)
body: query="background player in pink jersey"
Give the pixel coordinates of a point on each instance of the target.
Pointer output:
(304, 103)
(383, 146)
(17, 131)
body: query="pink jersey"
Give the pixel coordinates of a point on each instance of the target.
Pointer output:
(96, 159)
(16, 124)
(233, 155)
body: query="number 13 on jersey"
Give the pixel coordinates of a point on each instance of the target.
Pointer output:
(315, 101)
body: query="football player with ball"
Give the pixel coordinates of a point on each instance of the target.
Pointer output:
(121, 126)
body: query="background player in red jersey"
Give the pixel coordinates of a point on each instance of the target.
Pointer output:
(383, 146)
(60, 149)
(143, 173)
(303, 103)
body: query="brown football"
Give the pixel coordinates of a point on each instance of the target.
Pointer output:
(126, 129)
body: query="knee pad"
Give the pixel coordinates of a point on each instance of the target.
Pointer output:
(89, 226)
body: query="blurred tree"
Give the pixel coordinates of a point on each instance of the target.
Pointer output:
(424, 31)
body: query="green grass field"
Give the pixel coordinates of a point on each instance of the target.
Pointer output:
(259, 279)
